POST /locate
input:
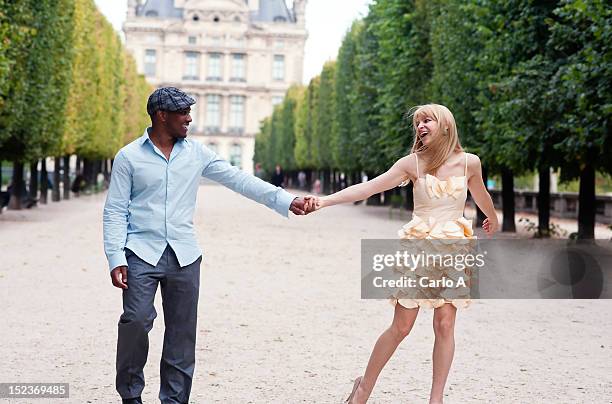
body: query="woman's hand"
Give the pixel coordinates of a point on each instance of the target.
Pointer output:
(313, 203)
(490, 225)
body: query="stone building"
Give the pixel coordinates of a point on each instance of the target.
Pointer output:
(237, 58)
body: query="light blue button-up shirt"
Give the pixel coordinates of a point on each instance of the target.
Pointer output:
(151, 200)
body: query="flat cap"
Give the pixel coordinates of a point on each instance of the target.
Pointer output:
(168, 99)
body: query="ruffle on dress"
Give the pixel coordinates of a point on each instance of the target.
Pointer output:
(417, 228)
(436, 188)
(449, 236)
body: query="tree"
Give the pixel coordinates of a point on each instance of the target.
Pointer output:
(581, 36)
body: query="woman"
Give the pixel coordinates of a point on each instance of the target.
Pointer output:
(441, 173)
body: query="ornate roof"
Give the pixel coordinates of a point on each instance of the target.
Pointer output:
(272, 11)
(269, 10)
(160, 9)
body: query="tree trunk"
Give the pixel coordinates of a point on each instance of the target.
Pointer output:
(1, 204)
(16, 192)
(480, 216)
(55, 193)
(586, 203)
(387, 196)
(106, 172)
(44, 181)
(324, 177)
(87, 172)
(66, 179)
(356, 178)
(78, 167)
(96, 171)
(33, 183)
(544, 202)
(508, 224)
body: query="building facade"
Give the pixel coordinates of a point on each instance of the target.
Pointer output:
(237, 58)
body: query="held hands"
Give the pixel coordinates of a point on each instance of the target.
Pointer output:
(314, 203)
(305, 205)
(490, 226)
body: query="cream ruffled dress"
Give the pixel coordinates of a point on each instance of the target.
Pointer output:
(438, 215)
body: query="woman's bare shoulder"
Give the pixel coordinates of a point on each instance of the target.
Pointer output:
(473, 163)
(408, 164)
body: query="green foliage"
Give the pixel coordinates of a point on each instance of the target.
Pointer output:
(326, 114)
(527, 81)
(306, 151)
(581, 38)
(276, 140)
(66, 83)
(33, 118)
(344, 131)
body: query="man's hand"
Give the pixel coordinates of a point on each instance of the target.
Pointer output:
(119, 277)
(302, 206)
(297, 206)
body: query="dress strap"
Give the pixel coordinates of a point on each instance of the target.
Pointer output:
(465, 172)
(417, 163)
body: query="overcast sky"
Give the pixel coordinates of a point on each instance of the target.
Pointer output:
(326, 21)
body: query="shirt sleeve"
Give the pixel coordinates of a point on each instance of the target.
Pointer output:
(115, 217)
(224, 173)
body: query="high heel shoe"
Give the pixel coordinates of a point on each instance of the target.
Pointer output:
(355, 386)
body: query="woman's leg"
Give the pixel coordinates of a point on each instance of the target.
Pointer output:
(403, 320)
(444, 349)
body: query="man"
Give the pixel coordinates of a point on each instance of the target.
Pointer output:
(278, 178)
(149, 240)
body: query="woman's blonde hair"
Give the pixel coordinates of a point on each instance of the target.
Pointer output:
(446, 141)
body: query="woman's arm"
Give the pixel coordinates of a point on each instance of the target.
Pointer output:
(358, 192)
(481, 195)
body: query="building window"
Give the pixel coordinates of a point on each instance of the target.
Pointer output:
(216, 19)
(236, 124)
(214, 67)
(193, 126)
(279, 44)
(238, 67)
(150, 61)
(236, 19)
(236, 155)
(237, 42)
(277, 99)
(213, 146)
(192, 66)
(196, 17)
(192, 40)
(216, 41)
(213, 112)
(278, 67)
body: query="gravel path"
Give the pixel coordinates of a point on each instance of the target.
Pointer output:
(280, 317)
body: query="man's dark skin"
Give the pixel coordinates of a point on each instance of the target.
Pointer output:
(167, 128)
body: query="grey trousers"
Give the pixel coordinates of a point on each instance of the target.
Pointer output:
(180, 290)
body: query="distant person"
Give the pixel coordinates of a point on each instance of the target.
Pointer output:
(149, 240)
(78, 184)
(259, 172)
(278, 178)
(316, 187)
(302, 180)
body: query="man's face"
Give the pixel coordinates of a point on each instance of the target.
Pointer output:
(177, 123)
